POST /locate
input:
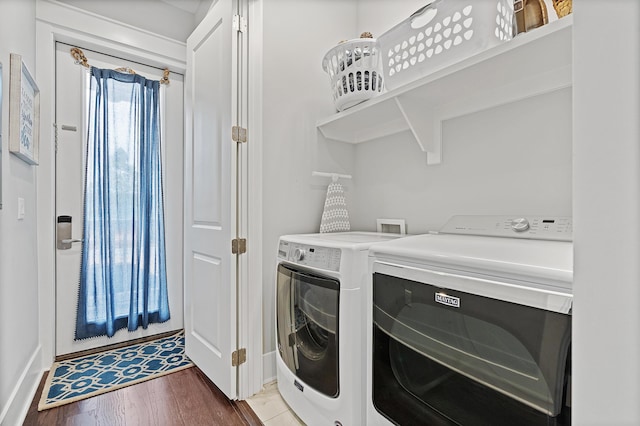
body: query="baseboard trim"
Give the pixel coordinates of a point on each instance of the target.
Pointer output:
(17, 406)
(268, 367)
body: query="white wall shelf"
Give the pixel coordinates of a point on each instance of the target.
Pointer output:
(531, 64)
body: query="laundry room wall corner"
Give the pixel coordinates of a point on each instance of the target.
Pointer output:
(295, 95)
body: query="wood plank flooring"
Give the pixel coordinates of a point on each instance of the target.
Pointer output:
(186, 397)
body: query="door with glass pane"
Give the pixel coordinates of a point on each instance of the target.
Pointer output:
(71, 115)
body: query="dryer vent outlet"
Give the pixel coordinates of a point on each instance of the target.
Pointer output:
(391, 226)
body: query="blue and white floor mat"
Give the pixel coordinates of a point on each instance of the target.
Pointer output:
(91, 375)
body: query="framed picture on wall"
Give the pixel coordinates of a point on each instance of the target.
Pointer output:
(24, 112)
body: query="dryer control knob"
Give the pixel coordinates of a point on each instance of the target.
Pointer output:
(299, 254)
(520, 224)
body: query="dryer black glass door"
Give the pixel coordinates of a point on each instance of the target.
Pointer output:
(468, 356)
(307, 327)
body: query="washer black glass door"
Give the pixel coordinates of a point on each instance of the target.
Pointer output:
(307, 327)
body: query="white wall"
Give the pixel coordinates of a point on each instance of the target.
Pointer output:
(296, 36)
(19, 314)
(379, 16)
(606, 316)
(498, 161)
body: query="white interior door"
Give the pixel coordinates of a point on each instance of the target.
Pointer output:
(210, 198)
(71, 111)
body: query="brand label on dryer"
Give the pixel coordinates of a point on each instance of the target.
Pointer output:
(448, 300)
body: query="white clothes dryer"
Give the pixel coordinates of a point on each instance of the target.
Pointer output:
(472, 325)
(320, 324)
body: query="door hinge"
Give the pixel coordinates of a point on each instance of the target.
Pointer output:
(239, 134)
(55, 137)
(239, 24)
(238, 246)
(238, 357)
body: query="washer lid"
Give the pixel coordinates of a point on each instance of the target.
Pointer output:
(534, 261)
(349, 240)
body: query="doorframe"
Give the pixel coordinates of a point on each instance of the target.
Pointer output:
(59, 22)
(71, 78)
(251, 331)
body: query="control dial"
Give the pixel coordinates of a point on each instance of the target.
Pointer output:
(299, 254)
(520, 224)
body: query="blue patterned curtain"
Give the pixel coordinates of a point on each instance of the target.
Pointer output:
(123, 275)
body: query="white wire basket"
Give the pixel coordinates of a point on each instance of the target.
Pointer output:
(355, 72)
(441, 33)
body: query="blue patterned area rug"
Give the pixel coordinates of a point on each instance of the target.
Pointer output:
(91, 375)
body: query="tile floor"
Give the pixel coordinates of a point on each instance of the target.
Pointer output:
(271, 408)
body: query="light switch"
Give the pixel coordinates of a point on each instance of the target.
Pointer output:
(20, 208)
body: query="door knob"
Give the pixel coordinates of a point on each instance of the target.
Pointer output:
(70, 240)
(63, 234)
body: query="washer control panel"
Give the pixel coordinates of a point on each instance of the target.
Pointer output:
(558, 228)
(327, 258)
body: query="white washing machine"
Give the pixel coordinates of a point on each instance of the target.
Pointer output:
(472, 325)
(320, 323)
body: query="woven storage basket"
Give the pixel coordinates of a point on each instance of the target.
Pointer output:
(355, 72)
(441, 33)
